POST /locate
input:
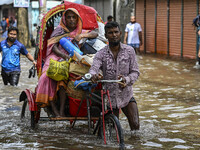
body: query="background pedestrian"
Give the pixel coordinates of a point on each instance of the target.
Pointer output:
(3, 24)
(109, 19)
(11, 21)
(11, 50)
(133, 34)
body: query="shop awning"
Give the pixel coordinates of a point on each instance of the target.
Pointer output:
(6, 2)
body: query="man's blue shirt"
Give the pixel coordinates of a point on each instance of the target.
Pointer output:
(11, 55)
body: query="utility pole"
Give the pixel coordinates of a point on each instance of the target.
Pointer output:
(22, 25)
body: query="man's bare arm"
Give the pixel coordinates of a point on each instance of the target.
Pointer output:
(59, 53)
(92, 34)
(30, 57)
(125, 37)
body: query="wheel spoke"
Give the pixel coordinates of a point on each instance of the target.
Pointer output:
(113, 130)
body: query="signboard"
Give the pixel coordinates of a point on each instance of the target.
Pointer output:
(21, 3)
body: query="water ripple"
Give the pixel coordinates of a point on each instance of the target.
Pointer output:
(171, 140)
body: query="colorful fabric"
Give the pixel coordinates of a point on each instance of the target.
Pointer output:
(11, 55)
(58, 70)
(87, 13)
(125, 64)
(47, 87)
(7, 20)
(44, 34)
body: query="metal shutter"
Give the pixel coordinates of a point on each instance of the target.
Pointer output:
(150, 26)
(161, 41)
(189, 34)
(182, 37)
(175, 28)
(139, 13)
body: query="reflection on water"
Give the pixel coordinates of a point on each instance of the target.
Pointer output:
(168, 97)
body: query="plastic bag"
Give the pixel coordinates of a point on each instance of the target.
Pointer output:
(58, 70)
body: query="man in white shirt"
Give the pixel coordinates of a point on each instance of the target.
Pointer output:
(133, 34)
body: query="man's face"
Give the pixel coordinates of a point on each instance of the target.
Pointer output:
(12, 36)
(132, 19)
(4, 18)
(71, 20)
(109, 20)
(113, 35)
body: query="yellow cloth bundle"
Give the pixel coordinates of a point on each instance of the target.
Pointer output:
(58, 70)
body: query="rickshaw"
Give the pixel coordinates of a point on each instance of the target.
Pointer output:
(97, 108)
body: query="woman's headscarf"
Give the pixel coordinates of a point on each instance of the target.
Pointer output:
(62, 30)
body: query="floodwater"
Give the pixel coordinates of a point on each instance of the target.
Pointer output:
(168, 97)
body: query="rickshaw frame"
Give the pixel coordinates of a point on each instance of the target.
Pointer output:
(28, 97)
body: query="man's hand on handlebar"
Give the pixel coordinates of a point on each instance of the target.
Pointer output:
(123, 82)
(96, 77)
(99, 78)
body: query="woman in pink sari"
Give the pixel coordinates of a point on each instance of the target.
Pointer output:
(70, 26)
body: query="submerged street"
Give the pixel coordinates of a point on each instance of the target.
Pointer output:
(168, 97)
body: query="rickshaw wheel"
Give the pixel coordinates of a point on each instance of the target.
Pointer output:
(113, 131)
(25, 114)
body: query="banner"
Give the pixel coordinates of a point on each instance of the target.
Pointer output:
(21, 3)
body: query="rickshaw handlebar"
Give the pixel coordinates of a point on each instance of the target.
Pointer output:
(88, 76)
(86, 81)
(110, 81)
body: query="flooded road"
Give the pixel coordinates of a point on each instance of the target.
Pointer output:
(168, 97)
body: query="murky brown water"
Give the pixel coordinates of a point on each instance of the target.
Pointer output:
(168, 96)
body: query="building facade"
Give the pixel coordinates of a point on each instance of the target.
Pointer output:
(167, 26)
(103, 7)
(7, 10)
